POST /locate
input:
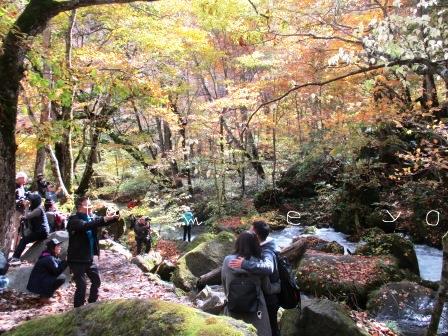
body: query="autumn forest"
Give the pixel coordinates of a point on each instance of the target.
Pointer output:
(325, 119)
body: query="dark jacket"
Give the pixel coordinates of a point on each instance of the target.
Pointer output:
(36, 217)
(79, 249)
(44, 274)
(142, 231)
(266, 266)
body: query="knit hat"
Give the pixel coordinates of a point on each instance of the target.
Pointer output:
(21, 174)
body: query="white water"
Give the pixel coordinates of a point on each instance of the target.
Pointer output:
(429, 258)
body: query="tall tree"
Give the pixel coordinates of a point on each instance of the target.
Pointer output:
(15, 45)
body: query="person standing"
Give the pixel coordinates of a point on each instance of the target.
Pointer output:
(46, 276)
(267, 265)
(41, 185)
(21, 193)
(142, 231)
(83, 246)
(35, 226)
(247, 246)
(187, 222)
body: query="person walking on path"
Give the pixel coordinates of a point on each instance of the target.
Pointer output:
(46, 276)
(83, 246)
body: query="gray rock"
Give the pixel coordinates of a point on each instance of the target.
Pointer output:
(148, 262)
(409, 305)
(325, 317)
(109, 244)
(211, 299)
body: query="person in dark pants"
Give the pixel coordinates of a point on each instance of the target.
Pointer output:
(187, 222)
(82, 246)
(266, 266)
(46, 276)
(37, 226)
(142, 231)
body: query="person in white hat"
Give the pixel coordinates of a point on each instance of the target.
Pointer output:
(21, 193)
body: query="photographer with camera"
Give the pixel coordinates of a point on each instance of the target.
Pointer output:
(142, 231)
(83, 246)
(21, 193)
(34, 225)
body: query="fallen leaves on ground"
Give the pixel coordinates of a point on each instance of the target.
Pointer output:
(119, 280)
(373, 327)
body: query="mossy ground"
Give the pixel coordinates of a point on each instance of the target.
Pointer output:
(134, 317)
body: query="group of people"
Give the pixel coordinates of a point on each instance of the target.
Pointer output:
(251, 280)
(46, 276)
(250, 276)
(37, 221)
(32, 220)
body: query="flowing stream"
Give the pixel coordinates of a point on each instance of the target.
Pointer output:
(429, 258)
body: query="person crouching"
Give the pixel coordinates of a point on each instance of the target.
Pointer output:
(46, 276)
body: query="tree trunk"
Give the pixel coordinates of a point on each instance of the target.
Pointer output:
(442, 292)
(56, 171)
(88, 171)
(31, 22)
(39, 165)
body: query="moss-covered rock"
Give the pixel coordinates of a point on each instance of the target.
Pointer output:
(391, 244)
(325, 317)
(301, 178)
(202, 238)
(318, 244)
(288, 323)
(202, 259)
(134, 317)
(268, 199)
(345, 277)
(148, 262)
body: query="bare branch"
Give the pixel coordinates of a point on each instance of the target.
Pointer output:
(361, 70)
(74, 4)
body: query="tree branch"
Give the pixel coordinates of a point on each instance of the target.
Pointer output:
(434, 65)
(74, 4)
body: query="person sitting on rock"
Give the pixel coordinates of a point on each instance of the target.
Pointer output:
(56, 219)
(142, 231)
(36, 225)
(46, 276)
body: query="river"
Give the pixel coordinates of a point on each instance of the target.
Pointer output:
(429, 258)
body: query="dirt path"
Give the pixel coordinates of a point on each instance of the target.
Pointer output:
(120, 279)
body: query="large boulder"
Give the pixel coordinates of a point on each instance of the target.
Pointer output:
(148, 262)
(109, 244)
(116, 229)
(134, 317)
(301, 179)
(211, 299)
(345, 277)
(325, 317)
(33, 253)
(202, 259)
(391, 244)
(318, 244)
(409, 305)
(289, 322)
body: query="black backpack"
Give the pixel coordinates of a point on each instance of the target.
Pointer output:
(244, 295)
(289, 296)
